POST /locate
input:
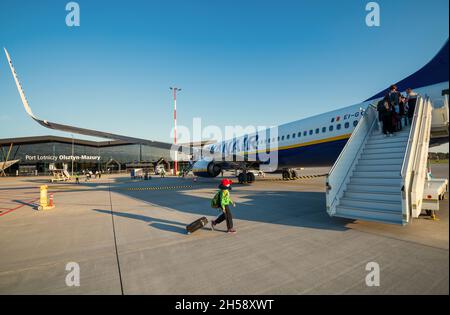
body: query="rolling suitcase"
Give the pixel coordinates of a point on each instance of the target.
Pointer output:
(196, 225)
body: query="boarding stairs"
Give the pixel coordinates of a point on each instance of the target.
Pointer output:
(379, 178)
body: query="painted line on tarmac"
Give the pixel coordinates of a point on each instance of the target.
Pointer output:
(18, 207)
(155, 188)
(293, 179)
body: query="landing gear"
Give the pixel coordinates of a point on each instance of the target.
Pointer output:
(289, 174)
(294, 174)
(250, 177)
(242, 178)
(246, 177)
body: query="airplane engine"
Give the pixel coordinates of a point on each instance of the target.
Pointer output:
(204, 168)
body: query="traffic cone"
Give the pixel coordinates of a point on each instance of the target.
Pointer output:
(50, 201)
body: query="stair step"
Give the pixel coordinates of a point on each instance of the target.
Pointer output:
(371, 204)
(369, 215)
(377, 174)
(382, 136)
(371, 195)
(384, 145)
(363, 161)
(398, 149)
(375, 181)
(383, 156)
(374, 188)
(378, 135)
(393, 139)
(369, 168)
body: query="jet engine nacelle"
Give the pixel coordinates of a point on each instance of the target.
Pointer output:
(204, 168)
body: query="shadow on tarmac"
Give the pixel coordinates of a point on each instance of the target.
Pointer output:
(291, 208)
(166, 225)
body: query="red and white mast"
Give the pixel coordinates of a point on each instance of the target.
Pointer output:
(175, 90)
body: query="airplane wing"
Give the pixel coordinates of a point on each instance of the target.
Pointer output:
(82, 131)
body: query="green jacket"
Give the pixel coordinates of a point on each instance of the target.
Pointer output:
(225, 198)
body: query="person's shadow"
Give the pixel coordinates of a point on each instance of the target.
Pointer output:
(165, 225)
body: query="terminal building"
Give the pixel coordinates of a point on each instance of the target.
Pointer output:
(40, 154)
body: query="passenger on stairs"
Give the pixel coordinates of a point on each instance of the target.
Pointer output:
(394, 100)
(387, 117)
(401, 114)
(380, 109)
(411, 99)
(394, 95)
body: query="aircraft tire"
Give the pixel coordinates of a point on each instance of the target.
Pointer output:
(242, 178)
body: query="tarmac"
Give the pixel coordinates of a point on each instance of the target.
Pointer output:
(286, 242)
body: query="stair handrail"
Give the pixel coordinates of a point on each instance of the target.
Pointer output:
(420, 163)
(411, 166)
(407, 169)
(342, 165)
(413, 131)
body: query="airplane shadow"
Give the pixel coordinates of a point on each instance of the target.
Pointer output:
(291, 208)
(305, 209)
(165, 225)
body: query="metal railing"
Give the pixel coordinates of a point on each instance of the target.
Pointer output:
(339, 175)
(408, 160)
(414, 165)
(420, 165)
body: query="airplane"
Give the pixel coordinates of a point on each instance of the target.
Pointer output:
(311, 142)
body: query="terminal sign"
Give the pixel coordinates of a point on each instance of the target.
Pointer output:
(63, 157)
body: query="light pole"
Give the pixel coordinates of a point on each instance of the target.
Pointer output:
(175, 90)
(73, 140)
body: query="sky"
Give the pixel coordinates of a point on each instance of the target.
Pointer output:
(242, 63)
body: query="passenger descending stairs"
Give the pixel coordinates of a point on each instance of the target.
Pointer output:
(373, 189)
(378, 178)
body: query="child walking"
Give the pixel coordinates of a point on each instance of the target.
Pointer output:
(223, 203)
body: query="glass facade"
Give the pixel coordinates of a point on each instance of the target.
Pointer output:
(41, 157)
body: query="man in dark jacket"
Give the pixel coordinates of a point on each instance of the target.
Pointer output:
(387, 117)
(411, 99)
(380, 110)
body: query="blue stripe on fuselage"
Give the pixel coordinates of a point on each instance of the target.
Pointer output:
(314, 155)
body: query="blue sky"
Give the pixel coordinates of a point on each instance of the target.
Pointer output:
(238, 62)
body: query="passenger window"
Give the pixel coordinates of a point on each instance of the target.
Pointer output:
(282, 138)
(305, 133)
(338, 126)
(317, 130)
(293, 135)
(287, 137)
(324, 129)
(347, 124)
(355, 123)
(331, 128)
(311, 132)
(278, 138)
(299, 134)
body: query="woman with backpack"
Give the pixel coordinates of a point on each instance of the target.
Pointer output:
(222, 201)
